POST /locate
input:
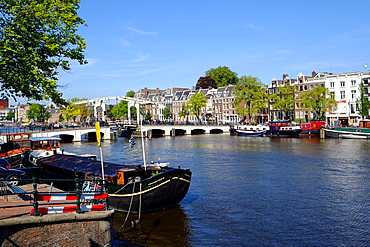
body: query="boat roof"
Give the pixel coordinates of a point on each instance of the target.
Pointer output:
(84, 165)
(35, 139)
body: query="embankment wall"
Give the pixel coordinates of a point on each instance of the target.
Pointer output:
(68, 229)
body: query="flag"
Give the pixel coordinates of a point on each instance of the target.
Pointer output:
(97, 128)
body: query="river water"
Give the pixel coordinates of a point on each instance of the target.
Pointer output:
(253, 191)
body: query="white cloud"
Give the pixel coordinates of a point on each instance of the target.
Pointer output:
(141, 31)
(125, 43)
(253, 26)
(141, 58)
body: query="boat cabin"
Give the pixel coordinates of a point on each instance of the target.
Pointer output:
(48, 143)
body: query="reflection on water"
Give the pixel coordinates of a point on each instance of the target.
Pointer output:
(255, 191)
(163, 228)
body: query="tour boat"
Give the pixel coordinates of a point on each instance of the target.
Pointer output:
(14, 146)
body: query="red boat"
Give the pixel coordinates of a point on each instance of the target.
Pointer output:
(312, 128)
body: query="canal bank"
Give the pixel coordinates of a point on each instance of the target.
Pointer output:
(87, 229)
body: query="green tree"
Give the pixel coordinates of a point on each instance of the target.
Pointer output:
(148, 116)
(37, 40)
(120, 110)
(363, 103)
(318, 101)
(284, 101)
(71, 111)
(184, 111)
(250, 97)
(37, 112)
(130, 94)
(11, 115)
(61, 118)
(196, 103)
(133, 111)
(166, 112)
(84, 110)
(223, 76)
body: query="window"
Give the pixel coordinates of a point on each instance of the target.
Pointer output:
(353, 93)
(342, 94)
(331, 84)
(353, 83)
(352, 106)
(342, 83)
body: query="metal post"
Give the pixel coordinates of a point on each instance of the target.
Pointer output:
(35, 195)
(78, 193)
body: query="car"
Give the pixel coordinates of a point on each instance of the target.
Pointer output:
(4, 163)
(7, 173)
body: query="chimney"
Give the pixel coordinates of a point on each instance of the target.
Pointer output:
(145, 91)
(285, 76)
(314, 74)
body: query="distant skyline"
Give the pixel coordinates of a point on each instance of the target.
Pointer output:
(136, 44)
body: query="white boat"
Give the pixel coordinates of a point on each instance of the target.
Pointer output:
(351, 136)
(249, 130)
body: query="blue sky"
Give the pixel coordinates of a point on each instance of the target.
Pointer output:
(132, 44)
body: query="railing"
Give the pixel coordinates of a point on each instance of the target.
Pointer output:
(84, 198)
(35, 129)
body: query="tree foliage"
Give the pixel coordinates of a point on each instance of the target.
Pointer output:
(284, 100)
(130, 94)
(206, 82)
(363, 103)
(38, 113)
(37, 40)
(71, 111)
(196, 103)
(11, 115)
(120, 110)
(133, 111)
(184, 111)
(318, 101)
(223, 76)
(250, 97)
(166, 112)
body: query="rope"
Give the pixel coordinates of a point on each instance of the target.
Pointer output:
(121, 188)
(129, 209)
(138, 219)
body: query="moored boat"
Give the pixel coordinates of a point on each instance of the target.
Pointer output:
(13, 148)
(131, 188)
(312, 127)
(283, 128)
(336, 132)
(248, 130)
(352, 136)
